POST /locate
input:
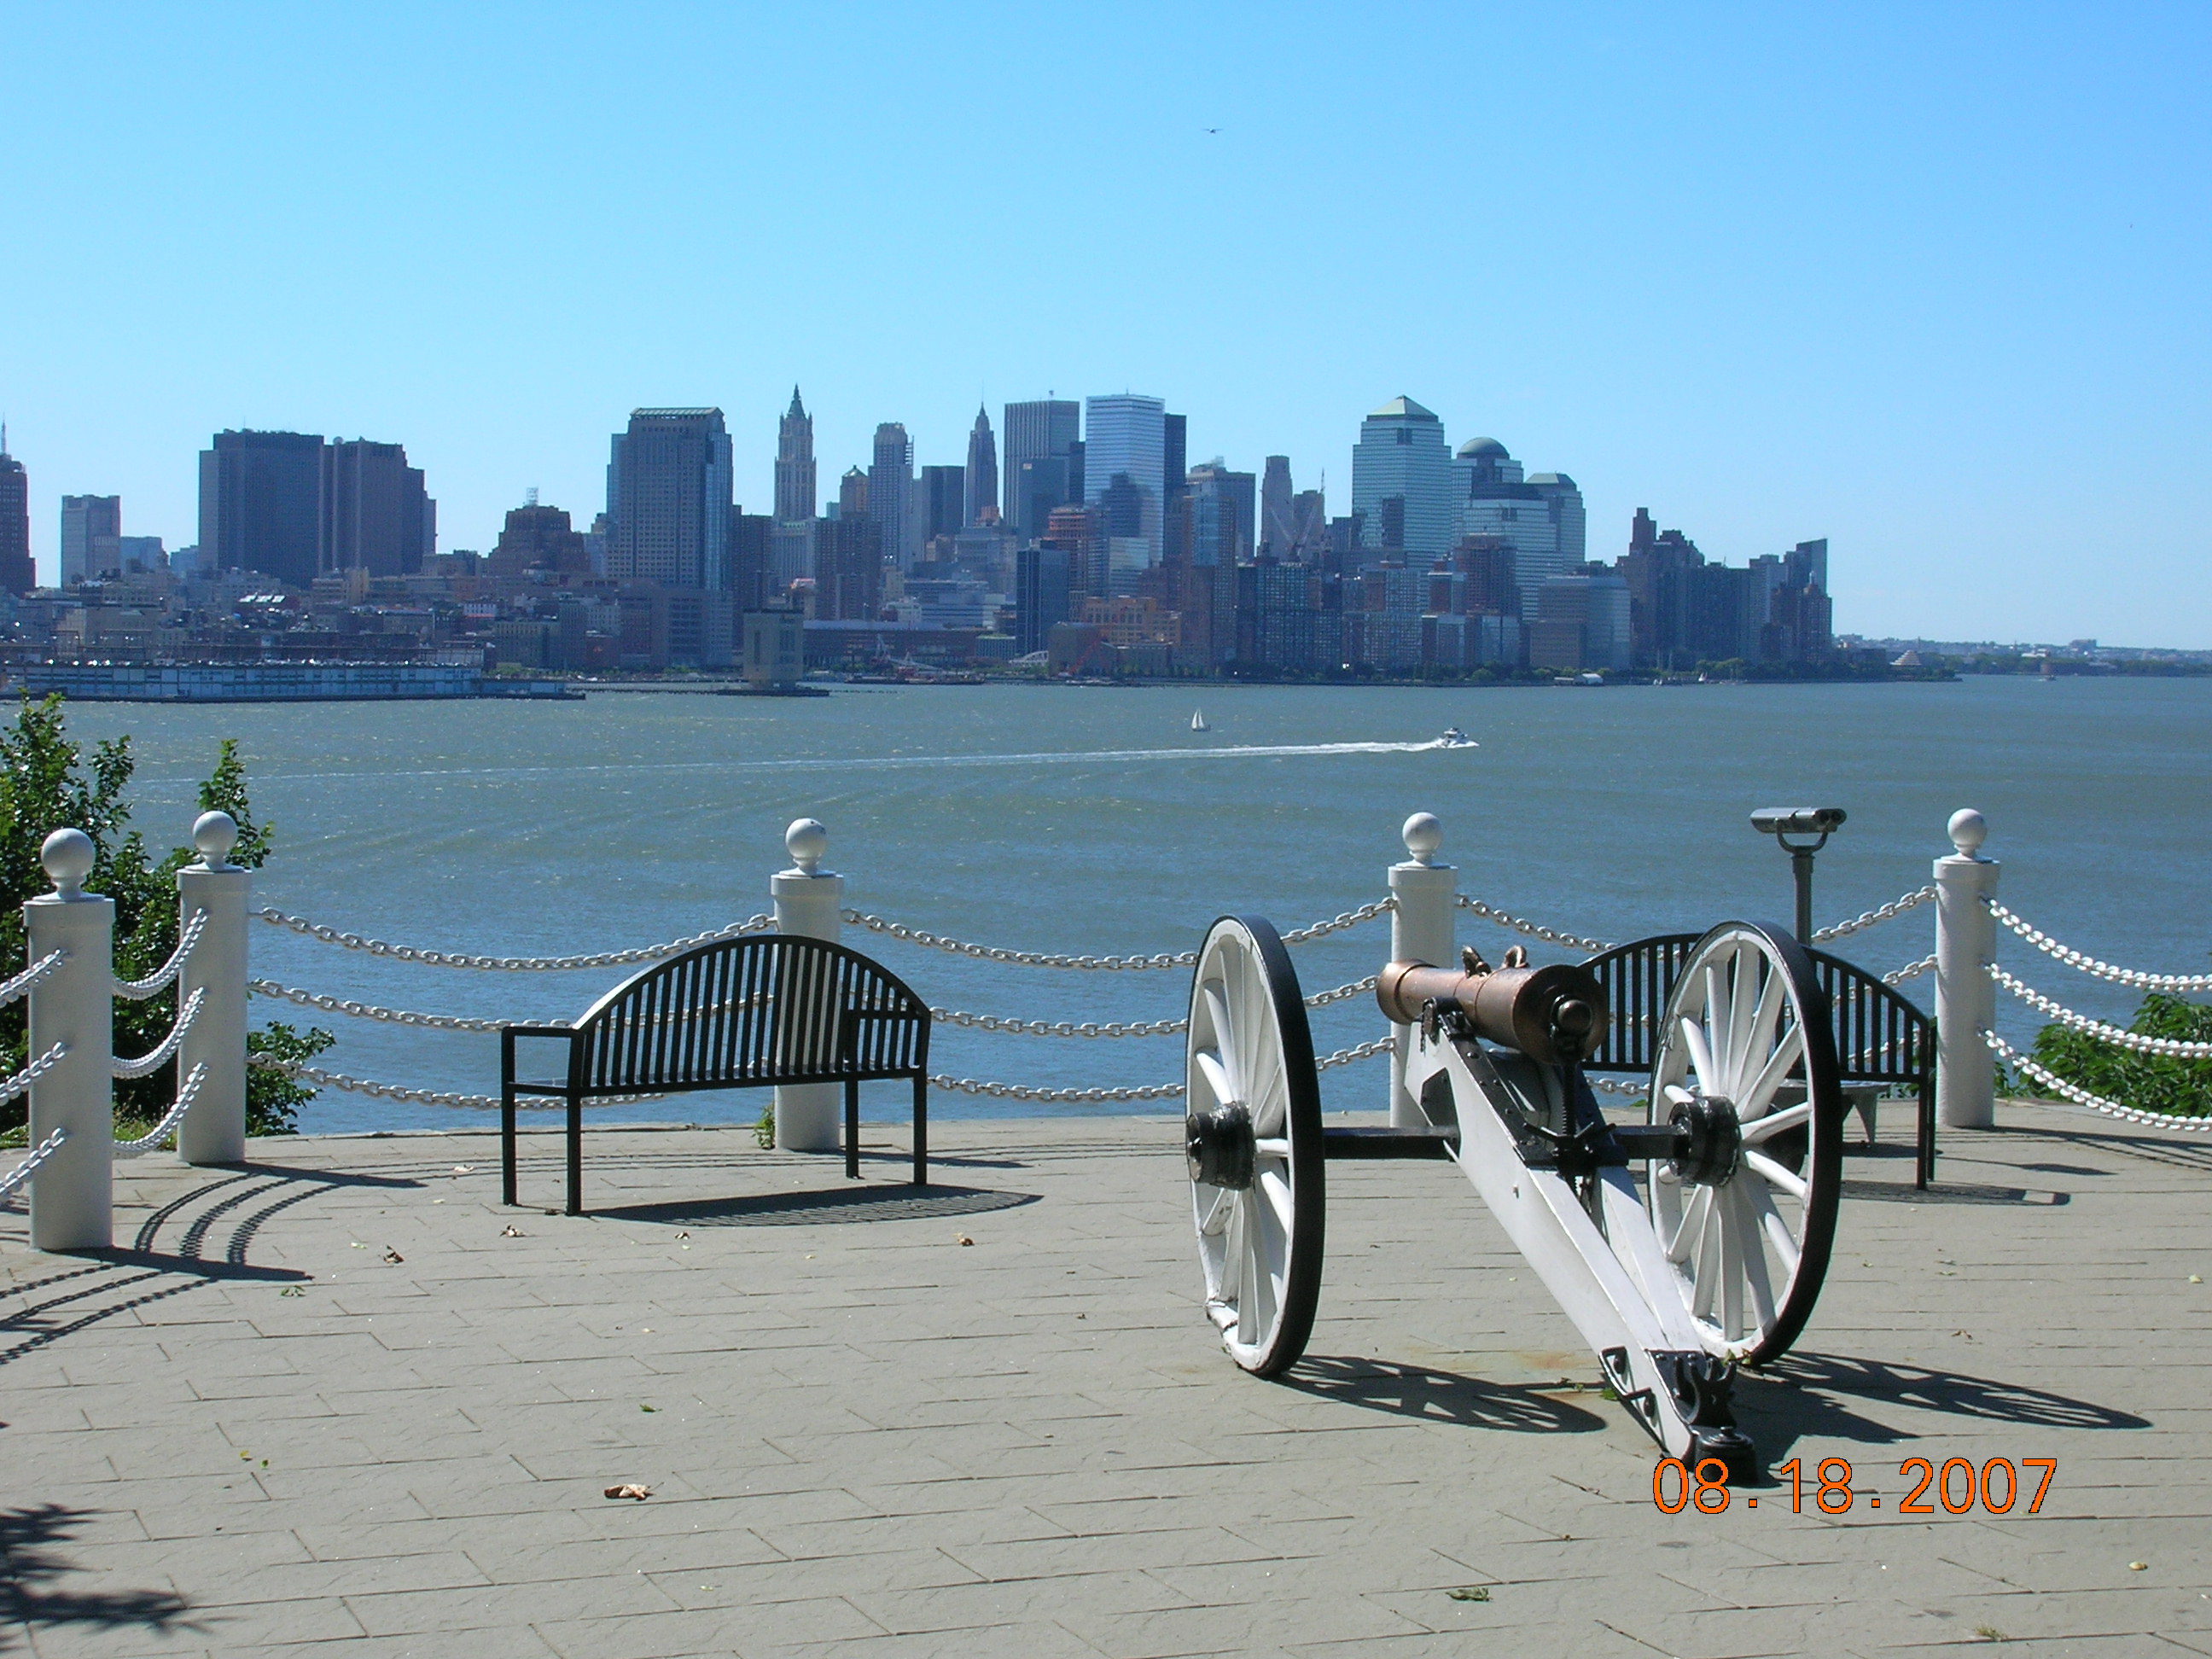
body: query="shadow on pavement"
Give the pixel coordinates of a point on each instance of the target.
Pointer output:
(838, 1204)
(1438, 1397)
(1810, 1395)
(30, 1567)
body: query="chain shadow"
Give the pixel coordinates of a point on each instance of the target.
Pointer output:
(32, 1567)
(1811, 1395)
(837, 1204)
(1435, 1396)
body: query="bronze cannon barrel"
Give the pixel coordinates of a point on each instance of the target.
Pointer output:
(1550, 1014)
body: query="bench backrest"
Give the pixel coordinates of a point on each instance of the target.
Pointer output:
(769, 1009)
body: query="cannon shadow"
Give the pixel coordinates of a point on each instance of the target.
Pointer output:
(1435, 1396)
(1813, 1396)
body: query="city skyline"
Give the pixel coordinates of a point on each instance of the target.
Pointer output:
(1768, 276)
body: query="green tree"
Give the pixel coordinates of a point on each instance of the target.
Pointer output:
(48, 783)
(2148, 1083)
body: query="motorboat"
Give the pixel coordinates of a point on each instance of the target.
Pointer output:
(1453, 738)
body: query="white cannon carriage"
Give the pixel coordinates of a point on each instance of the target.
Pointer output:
(1682, 1247)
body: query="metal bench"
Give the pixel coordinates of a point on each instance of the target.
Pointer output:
(740, 1014)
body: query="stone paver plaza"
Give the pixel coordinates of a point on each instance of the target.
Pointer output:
(342, 1401)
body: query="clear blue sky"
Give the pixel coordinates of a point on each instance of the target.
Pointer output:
(1930, 282)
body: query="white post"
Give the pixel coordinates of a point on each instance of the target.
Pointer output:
(1422, 929)
(73, 1194)
(1965, 1000)
(214, 1130)
(810, 903)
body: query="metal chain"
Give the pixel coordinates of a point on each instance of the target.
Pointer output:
(1910, 971)
(29, 1167)
(2173, 1048)
(10, 1087)
(2091, 965)
(138, 990)
(167, 1126)
(2005, 1051)
(21, 984)
(153, 1060)
(969, 1085)
(1063, 1027)
(356, 1085)
(1532, 929)
(270, 988)
(1606, 1086)
(1866, 919)
(377, 947)
(1108, 964)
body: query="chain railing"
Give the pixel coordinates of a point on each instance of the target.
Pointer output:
(2095, 969)
(1866, 919)
(329, 1005)
(147, 1064)
(12, 1086)
(907, 935)
(2119, 1038)
(377, 947)
(360, 1086)
(1522, 925)
(1143, 1028)
(1910, 971)
(21, 986)
(138, 990)
(175, 1115)
(29, 1167)
(969, 1086)
(2058, 1086)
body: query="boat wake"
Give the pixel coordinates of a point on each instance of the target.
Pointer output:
(908, 763)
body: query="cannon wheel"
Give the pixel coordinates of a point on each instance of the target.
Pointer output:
(1253, 1136)
(1747, 1222)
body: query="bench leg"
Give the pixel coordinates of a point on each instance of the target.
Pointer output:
(1923, 1153)
(506, 1145)
(576, 1155)
(852, 1129)
(921, 1132)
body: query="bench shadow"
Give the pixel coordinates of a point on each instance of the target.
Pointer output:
(837, 1205)
(1434, 1396)
(1943, 1192)
(1810, 1395)
(31, 1567)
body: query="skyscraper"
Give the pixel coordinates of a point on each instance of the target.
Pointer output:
(1540, 519)
(1278, 532)
(1174, 466)
(92, 537)
(1042, 472)
(942, 501)
(1401, 481)
(374, 513)
(261, 504)
(794, 463)
(1125, 436)
(980, 485)
(1218, 512)
(17, 574)
(890, 493)
(669, 499)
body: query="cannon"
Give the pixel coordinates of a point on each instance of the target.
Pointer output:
(1682, 1247)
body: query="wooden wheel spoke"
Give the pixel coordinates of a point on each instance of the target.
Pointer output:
(1787, 1053)
(1685, 1236)
(1779, 1238)
(1701, 1057)
(1766, 1128)
(1707, 1275)
(1217, 1076)
(1758, 1040)
(1752, 1253)
(1215, 1216)
(1743, 1010)
(1775, 1176)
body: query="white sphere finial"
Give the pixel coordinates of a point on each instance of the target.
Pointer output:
(806, 840)
(68, 856)
(1423, 835)
(215, 834)
(1969, 830)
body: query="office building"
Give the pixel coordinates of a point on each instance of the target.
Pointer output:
(536, 538)
(1278, 533)
(848, 569)
(1043, 469)
(669, 499)
(1175, 463)
(751, 561)
(1042, 595)
(852, 495)
(375, 515)
(261, 505)
(1217, 512)
(794, 463)
(143, 554)
(18, 575)
(979, 482)
(91, 539)
(1125, 438)
(1402, 482)
(942, 501)
(1582, 621)
(1539, 518)
(892, 501)
(1563, 499)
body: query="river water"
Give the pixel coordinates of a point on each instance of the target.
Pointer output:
(1094, 820)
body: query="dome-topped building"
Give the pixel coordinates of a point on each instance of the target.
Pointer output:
(1476, 448)
(1539, 517)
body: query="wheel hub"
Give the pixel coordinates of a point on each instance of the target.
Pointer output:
(1711, 1141)
(1217, 1146)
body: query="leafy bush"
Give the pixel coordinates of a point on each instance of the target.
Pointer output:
(2148, 1083)
(273, 1100)
(47, 783)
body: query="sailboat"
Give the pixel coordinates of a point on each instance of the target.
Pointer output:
(1198, 721)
